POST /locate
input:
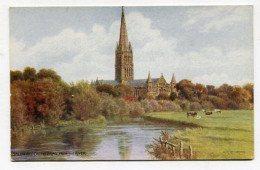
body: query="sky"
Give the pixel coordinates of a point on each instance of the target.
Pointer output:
(208, 44)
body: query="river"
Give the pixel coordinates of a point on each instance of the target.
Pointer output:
(114, 141)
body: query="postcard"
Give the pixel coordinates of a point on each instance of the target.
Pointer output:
(132, 83)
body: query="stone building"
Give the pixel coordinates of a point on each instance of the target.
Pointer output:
(124, 70)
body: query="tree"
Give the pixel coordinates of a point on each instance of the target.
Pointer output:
(86, 101)
(211, 90)
(200, 91)
(16, 75)
(250, 88)
(218, 102)
(29, 73)
(48, 101)
(48, 73)
(18, 107)
(106, 88)
(186, 89)
(124, 90)
(240, 95)
(173, 96)
(163, 96)
(224, 88)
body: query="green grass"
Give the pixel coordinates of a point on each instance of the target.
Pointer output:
(229, 135)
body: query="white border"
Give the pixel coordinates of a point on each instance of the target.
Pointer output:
(5, 162)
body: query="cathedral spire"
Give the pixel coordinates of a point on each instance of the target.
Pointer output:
(149, 79)
(124, 65)
(173, 81)
(123, 38)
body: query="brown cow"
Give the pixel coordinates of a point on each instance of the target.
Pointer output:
(193, 114)
(208, 113)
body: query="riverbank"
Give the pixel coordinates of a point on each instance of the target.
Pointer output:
(229, 135)
(110, 141)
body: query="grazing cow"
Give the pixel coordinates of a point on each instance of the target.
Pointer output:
(193, 114)
(208, 113)
(217, 111)
(204, 110)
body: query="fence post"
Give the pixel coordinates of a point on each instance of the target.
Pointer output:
(173, 150)
(181, 149)
(160, 138)
(190, 152)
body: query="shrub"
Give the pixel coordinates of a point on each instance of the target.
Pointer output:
(184, 104)
(232, 105)
(171, 106)
(146, 105)
(163, 96)
(108, 106)
(136, 109)
(207, 105)
(195, 106)
(106, 88)
(86, 104)
(124, 90)
(123, 107)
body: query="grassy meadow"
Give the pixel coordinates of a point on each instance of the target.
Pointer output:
(229, 135)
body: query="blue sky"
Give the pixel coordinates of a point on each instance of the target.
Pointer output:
(210, 45)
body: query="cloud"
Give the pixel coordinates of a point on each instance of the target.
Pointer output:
(216, 18)
(212, 79)
(79, 55)
(219, 79)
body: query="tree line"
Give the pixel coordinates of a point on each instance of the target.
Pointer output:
(44, 98)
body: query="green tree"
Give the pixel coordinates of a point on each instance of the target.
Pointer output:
(29, 73)
(48, 73)
(86, 101)
(16, 75)
(124, 90)
(173, 96)
(106, 88)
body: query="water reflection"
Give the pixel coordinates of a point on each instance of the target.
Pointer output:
(113, 142)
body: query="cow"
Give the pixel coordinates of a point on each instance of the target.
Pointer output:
(217, 111)
(193, 114)
(208, 113)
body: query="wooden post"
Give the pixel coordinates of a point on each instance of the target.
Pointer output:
(190, 152)
(173, 150)
(181, 149)
(160, 139)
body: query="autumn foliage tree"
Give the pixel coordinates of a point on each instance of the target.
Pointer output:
(48, 101)
(18, 107)
(44, 98)
(85, 101)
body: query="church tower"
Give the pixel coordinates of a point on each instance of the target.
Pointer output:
(124, 67)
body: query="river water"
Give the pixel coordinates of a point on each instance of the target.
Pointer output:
(114, 141)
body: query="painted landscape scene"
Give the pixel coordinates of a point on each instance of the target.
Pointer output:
(132, 83)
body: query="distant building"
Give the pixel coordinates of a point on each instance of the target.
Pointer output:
(124, 70)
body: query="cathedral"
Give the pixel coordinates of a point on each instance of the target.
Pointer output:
(124, 70)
